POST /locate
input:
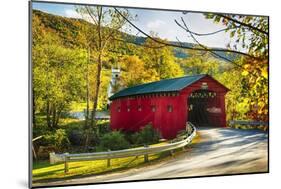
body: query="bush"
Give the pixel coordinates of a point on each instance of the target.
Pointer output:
(77, 134)
(114, 140)
(147, 135)
(76, 137)
(103, 127)
(58, 139)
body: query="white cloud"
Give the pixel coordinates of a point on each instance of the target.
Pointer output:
(156, 24)
(72, 13)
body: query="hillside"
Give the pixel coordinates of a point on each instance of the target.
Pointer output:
(68, 30)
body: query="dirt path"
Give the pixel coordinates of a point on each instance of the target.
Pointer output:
(220, 151)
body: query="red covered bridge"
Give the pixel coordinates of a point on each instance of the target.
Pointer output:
(168, 104)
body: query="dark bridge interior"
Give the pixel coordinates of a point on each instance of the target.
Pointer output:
(201, 108)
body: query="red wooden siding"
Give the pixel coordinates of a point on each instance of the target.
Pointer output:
(168, 123)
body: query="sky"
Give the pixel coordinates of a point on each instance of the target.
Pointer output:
(158, 21)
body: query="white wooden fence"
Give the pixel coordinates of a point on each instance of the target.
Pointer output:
(145, 151)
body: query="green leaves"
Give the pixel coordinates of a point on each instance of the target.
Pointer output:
(247, 32)
(248, 98)
(159, 60)
(57, 76)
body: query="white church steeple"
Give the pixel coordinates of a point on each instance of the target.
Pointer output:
(115, 75)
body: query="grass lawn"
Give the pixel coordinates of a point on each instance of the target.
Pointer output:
(44, 171)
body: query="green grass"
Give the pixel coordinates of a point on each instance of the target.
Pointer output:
(43, 170)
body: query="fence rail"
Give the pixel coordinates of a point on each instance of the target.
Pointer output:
(145, 151)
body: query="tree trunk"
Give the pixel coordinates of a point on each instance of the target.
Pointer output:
(54, 116)
(58, 117)
(87, 93)
(96, 97)
(48, 114)
(98, 77)
(95, 103)
(33, 110)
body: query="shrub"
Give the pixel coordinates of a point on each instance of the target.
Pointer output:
(103, 127)
(130, 137)
(147, 135)
(114, 140)
(76, 137)
(58, 139)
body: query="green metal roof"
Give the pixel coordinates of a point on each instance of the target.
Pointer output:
(165, 85)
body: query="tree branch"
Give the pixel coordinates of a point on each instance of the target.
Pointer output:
(244, 24)
(212, 33)
(212, 52)
(184, 47)
(90, 14)
(202, 46)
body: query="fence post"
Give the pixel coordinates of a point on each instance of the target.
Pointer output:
(189, 129)
(172, 152)
(66, 163)
(183, 148)
(145, 155)
(108, 160)
(52, 157)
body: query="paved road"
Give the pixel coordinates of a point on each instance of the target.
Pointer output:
(220, 151)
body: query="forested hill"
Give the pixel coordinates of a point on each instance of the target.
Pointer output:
(68, 30)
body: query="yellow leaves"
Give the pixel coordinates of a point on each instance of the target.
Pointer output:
(135, 72)
(264, 73)
(247, 69)
(247, 66)
(257, 68)
(245, 73)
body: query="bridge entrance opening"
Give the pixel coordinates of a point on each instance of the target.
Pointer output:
(203, 108)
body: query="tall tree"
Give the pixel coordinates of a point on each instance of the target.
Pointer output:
(57, 77)
(85, 40)
(160, 60)
(107, 24)
(134, 71)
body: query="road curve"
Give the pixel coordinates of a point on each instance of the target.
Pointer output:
(220, 151)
